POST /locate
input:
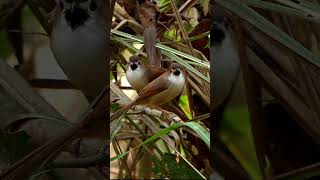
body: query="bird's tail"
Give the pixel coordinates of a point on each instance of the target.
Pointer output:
(150, 40)
(121, 111)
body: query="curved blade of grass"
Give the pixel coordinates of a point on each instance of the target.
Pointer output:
(267, 27)
(128, 45)
(185, 55)
(202, 132)
(194, 38)
(280, 9)
(124, 42)
(165, 48)
(311, 8)
(121, 155)
(129, 36)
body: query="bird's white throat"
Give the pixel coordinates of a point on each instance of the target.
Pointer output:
(136, 78)
(177, 81)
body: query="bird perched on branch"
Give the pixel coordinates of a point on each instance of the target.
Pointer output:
(160, 91)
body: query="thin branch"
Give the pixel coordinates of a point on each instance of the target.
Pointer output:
(171, 117)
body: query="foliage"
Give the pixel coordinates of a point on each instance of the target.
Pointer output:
(177, 170)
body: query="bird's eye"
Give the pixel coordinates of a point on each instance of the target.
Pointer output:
(93, 6)
(139, 62)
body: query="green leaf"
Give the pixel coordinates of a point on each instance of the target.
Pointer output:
(119, 156)
(184, 104)
(309, 7)
(164, 5)
(111, 76)
(202, 132)
(171, 34)
(205, 6)
(179, 170)
(114, 107)
(279, 8)
(158, 166)
(236, 134)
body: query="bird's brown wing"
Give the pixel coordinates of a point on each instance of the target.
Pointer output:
(155, 72)
(155, 87)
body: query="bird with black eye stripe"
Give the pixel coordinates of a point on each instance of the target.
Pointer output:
(78, 42)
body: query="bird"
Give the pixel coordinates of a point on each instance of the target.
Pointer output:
(139, 75)
(160, 91)
(79, 43)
